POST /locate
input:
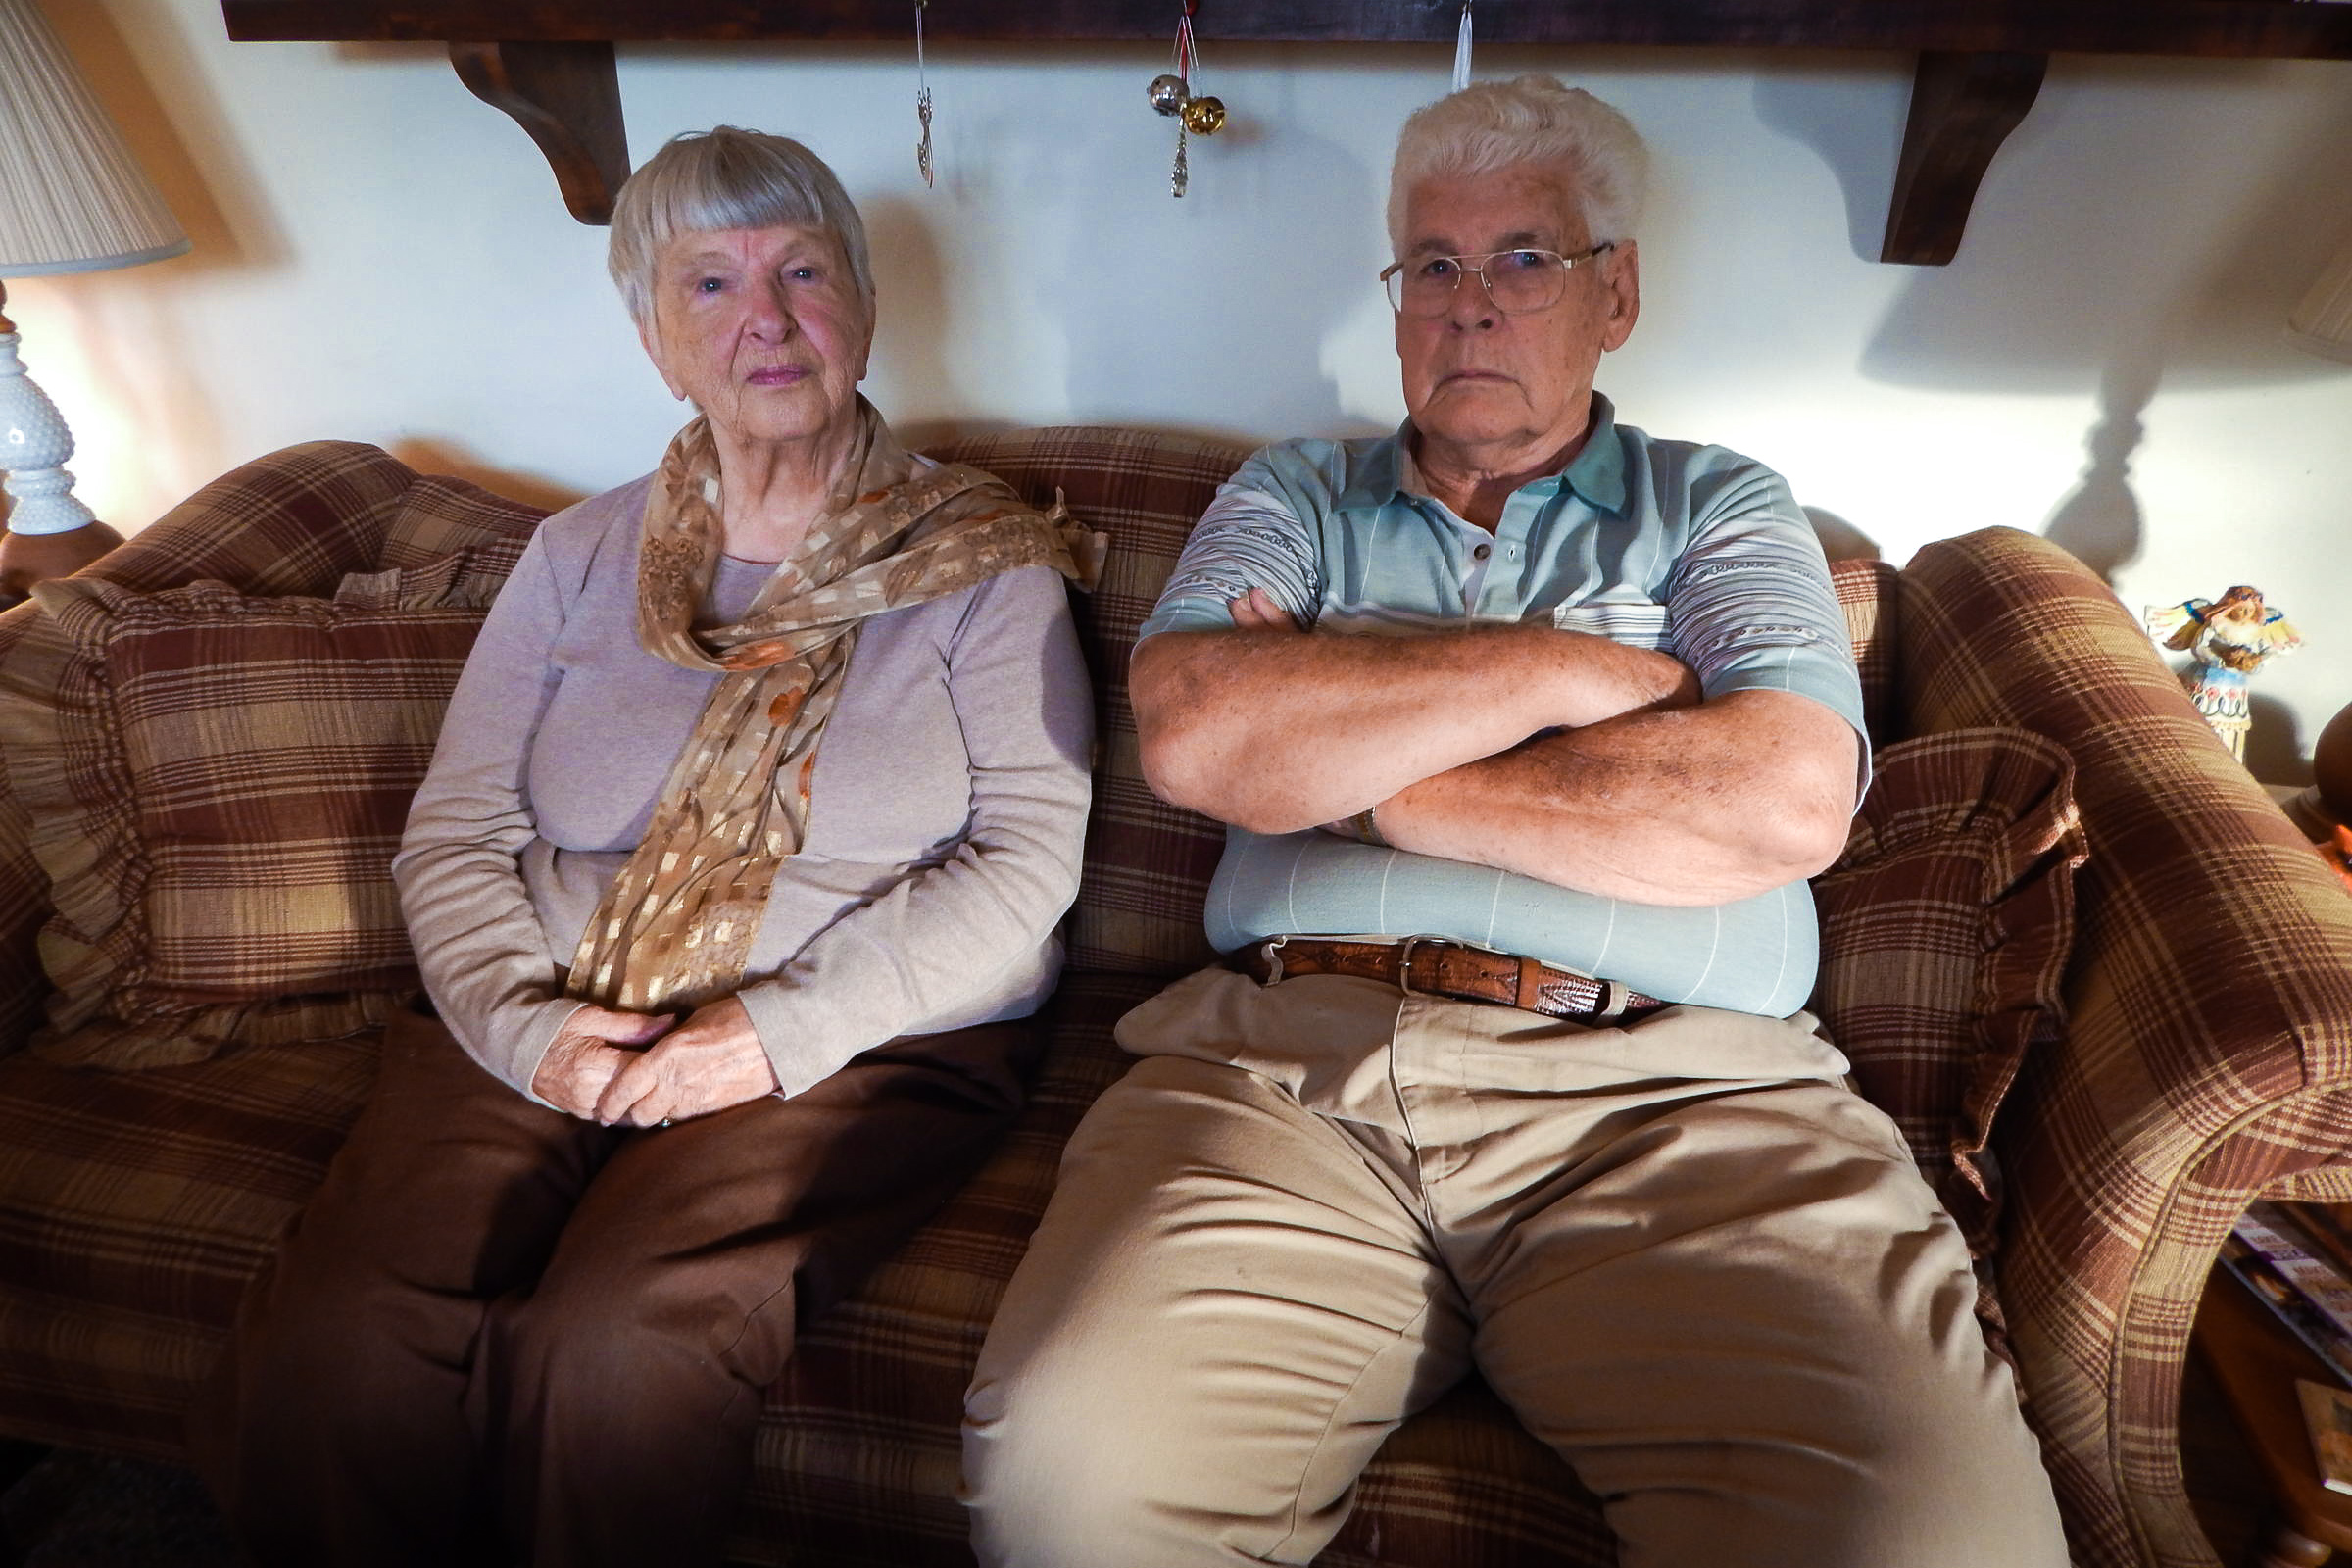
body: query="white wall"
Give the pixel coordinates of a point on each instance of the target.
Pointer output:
(379, 256)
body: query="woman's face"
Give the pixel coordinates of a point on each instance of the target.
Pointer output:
(762, 328)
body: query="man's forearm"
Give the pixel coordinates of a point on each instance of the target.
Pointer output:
(1686, 807)
(1278, 730)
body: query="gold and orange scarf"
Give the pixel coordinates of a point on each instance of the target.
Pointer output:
(674, 929)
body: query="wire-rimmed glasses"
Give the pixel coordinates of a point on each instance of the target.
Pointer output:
(1518, 280)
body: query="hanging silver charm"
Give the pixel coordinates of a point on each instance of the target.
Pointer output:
(1180, 175)
(922, 149)
(923, 102)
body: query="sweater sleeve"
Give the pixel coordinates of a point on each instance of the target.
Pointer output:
(479, 941)
(939, 938)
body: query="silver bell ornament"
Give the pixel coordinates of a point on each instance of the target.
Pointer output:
(1168, 93)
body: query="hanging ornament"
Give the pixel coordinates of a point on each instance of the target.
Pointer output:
(923, 101)
(1171, 93)
(1204, 117)
(1461, 50)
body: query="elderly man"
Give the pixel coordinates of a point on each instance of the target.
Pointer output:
(1560, 716)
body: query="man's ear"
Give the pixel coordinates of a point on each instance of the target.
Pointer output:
(1624, 280)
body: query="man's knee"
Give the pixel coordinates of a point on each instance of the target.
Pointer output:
(1065, 1462)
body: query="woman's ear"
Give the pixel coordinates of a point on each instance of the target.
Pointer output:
(650, 336)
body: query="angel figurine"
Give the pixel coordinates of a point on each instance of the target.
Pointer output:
(2227, 639)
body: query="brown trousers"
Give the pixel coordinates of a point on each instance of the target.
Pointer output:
(502, 1332)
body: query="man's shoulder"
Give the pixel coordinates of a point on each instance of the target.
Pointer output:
(1312, 473)
(1662, 455)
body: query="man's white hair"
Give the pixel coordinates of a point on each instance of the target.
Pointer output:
(726, 177)
(1533, 121)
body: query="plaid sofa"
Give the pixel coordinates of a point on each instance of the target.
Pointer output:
(2207, 1059)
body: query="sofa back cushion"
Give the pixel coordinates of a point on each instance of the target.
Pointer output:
(439, 518)
(1148, 864)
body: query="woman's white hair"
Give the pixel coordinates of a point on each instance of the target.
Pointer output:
(726, 177)
(1586, 145)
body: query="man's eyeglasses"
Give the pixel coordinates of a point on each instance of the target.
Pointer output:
(1517, 281)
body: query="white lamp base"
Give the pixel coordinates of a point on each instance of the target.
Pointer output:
(34, 445)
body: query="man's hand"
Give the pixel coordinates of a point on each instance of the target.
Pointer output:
(1256, 611)
(582, 1060)
(709, 1062)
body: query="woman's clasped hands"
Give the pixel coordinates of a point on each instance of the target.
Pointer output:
(633, 1069)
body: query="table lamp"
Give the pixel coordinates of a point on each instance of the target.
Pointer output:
(72, 200)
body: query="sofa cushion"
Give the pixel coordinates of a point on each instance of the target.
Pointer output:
(133, 1209)
(1945, 928)
(267, 748)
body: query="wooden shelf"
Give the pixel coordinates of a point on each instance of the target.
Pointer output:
(549, 63)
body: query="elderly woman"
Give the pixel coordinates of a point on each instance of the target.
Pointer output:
(733, 882)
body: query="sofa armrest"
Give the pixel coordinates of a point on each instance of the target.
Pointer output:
(2208, 1052)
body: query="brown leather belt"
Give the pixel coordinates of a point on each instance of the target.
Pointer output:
(1440, 966)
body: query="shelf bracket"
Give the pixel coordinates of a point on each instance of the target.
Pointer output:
(566, 95)
(1963, 106)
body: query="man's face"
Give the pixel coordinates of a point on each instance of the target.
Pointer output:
(1486, 387)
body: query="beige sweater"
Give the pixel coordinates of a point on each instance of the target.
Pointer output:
(947, 809)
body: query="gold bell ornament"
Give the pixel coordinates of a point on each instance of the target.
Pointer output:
(1171, 93)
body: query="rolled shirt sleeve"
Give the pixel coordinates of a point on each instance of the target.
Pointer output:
(1248, 538)
(1749, 603)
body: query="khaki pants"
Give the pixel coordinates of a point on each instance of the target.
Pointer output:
(1692, 1260)
(497, 1322)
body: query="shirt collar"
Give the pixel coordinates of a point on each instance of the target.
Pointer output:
(1596, 472)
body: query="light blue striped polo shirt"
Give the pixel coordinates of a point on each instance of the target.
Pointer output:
(1693, 550)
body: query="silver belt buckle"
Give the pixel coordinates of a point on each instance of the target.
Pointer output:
(1404, 960)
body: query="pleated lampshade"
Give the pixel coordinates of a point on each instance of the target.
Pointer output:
(71, 198)
(2323, 322)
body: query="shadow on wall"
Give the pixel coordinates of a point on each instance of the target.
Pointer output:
(1851, 112)
(2125, 237)
(2098, 522)
(1270, 206)
(911, 330)
(2275, 743)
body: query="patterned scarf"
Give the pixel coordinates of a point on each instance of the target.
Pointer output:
(675, 928)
